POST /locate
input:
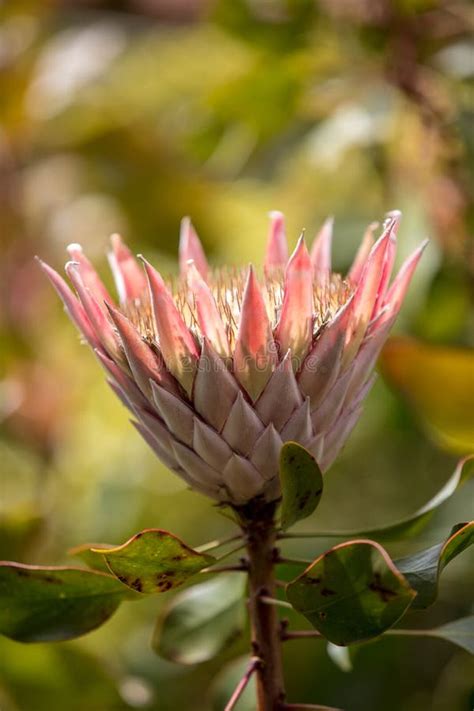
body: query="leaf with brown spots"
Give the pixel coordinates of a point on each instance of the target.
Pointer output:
(301, 484)
(423, 569)
(351, 593)
(45, 604)
(153, 561)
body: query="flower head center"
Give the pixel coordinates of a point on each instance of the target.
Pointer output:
(227, 285)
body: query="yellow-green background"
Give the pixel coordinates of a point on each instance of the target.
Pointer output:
(126, 116)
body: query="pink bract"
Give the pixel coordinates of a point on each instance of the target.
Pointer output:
(222, 367)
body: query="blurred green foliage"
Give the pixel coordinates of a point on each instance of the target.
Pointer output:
(127, 116)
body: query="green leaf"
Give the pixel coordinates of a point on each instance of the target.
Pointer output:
(44, 604)
(351, 593)
(460, 632)
(202, 621)
(154, 561)
(423, 569)
(301, 483)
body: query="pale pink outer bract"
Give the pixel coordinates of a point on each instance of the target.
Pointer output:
(222, 368)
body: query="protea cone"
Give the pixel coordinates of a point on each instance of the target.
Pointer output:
(221, 367)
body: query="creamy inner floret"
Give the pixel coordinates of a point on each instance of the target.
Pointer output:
(227, 286)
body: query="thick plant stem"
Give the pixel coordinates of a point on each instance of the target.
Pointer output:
(261, 536)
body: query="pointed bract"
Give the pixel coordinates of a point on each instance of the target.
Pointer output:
(205, 476)
(295, 327)
(365, 296)
(176, 343)
(242, 479)
(255, 352)
(190, 249)
(210, 446)
(89, 276)
(281, 396)
(243, 426)
(179, 418)
(323, 363)
(325, 414)
(73, 306)
(215, 388)
(130, 280)
(266, 453)
(145, 363)
(393, 224)
(366, 359)
(208, 315)
(98, 315)
(398, 289)
(362, 254)
(299, 427)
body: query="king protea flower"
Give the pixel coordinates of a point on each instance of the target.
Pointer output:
(221, 367)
